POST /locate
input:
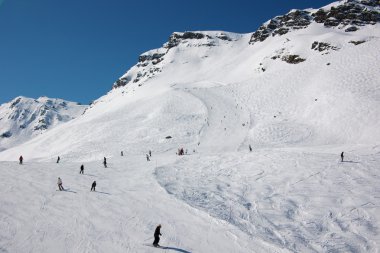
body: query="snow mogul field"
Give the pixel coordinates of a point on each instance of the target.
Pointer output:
(303, 201)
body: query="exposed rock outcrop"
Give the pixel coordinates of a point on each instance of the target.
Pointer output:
(350, 16)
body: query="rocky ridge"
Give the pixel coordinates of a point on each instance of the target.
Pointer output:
(150, 63)
(349, 15)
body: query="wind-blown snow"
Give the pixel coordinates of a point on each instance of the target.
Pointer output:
(213, 94)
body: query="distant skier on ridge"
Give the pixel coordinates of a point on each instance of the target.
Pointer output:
(342, 156)
(21, 159)
(81, 169)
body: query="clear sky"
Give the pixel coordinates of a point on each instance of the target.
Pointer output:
(76, 49)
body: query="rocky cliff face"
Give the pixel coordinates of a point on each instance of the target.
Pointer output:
(151, 63)
(349, 15)
(23, 118)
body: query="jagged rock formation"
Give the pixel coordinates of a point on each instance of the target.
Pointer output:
(323, 46)
(349, 15)
(150, 63)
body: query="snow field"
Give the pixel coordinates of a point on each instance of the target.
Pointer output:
(120, 216)
(301, 201)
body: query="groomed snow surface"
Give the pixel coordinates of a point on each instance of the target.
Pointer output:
(290, 194)
(260, 201)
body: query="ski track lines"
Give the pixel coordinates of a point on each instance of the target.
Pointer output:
(223, 130)
(303, 202)
(119, 217)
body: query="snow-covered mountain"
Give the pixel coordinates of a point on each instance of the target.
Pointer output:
(24, 118)
(300, 90)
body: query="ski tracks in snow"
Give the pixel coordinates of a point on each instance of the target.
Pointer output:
(300, 201)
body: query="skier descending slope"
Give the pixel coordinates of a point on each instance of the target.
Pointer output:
(81, 169)
(60, 187)
(157, 234)
(21, 159)
(105, 162)
(93, 186)
(58, 159)
(147, 157)
(342, 156)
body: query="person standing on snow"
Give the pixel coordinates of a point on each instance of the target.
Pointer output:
(21, 159)
(105, 162)
(122, 153)
(81, 169)
(250, 148)
(93, 186)
(58, 159)
(342, 156)
(60, 187)
(150, 153)
(147, 157)
(157, 234)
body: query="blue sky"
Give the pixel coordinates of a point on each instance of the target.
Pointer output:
(76, 49)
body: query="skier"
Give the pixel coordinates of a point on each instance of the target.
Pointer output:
(157, 234)
(81, 169)
(150, 153)
(250, 148)
(147, 157)
(21, 159)
(93, 186)
(342, 156)
(105, 162)
(122, 153)
(60, 187)
(58, 159)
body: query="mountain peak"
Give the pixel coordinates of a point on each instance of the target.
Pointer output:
(23, 118)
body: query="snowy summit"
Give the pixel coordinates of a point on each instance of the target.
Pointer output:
(216, 142)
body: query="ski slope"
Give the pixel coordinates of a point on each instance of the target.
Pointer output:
(262, 201)
(213, 94)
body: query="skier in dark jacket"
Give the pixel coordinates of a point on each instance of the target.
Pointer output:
(21, 159)
(58, 159)
(93, 186)
(147, 157)
(81, 169)
(122, 153)
(250, 148)
(105, 162)
(157, 234)
(342, 156)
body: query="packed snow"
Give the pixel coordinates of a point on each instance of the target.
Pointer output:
(212, 95)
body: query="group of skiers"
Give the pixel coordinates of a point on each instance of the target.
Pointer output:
(60, 185)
